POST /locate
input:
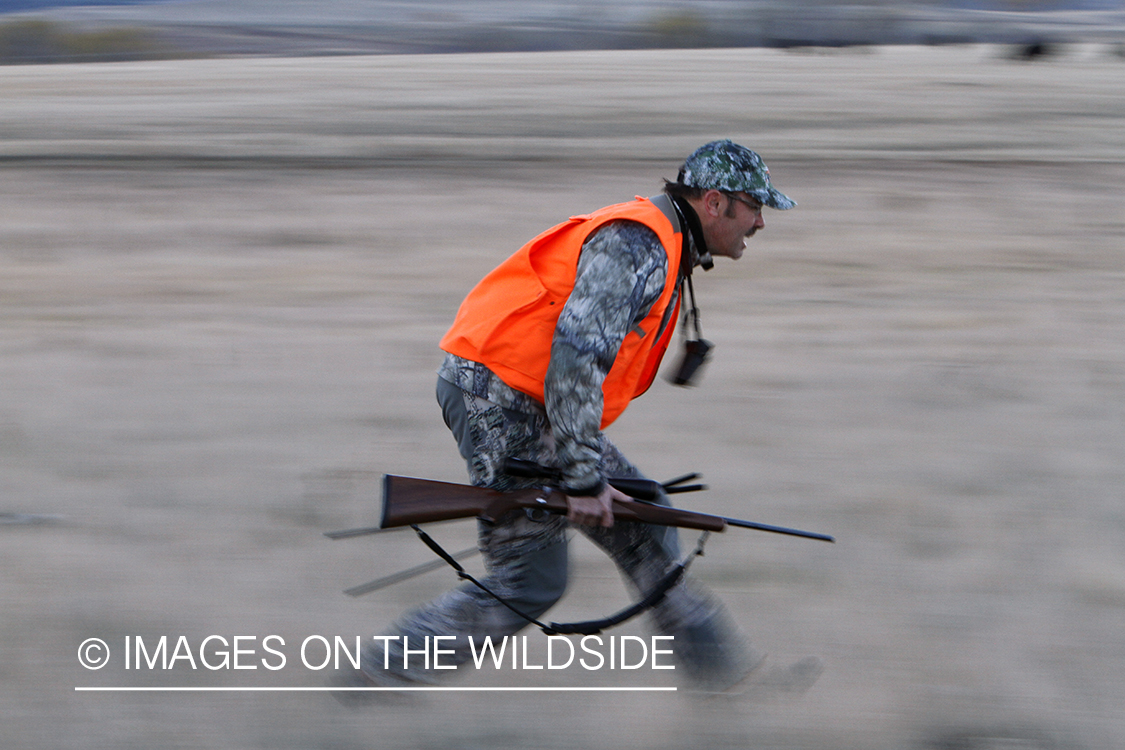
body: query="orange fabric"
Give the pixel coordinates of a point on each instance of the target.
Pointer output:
(507, 322)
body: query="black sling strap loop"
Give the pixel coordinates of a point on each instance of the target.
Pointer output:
(437, 548)
(588, 627)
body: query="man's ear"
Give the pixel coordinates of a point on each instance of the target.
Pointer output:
(712, 202)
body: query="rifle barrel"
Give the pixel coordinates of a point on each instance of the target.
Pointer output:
(756, 526)
(779, 530)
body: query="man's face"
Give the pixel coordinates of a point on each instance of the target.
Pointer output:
(732, 219)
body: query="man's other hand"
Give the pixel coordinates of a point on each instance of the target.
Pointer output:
(594, 510)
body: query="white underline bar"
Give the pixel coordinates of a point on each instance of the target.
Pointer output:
(128, 689)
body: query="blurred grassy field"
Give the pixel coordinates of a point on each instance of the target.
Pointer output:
(222, 283)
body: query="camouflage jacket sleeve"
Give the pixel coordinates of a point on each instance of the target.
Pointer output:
(621, 274)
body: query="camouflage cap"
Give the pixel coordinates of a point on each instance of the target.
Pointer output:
(724, 165)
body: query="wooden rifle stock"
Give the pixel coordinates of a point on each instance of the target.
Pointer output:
(408, 500)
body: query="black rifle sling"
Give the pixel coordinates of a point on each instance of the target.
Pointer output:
(588, 627)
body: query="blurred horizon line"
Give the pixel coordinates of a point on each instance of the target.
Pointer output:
(34, 31)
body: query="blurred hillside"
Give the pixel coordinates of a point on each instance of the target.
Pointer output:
(299, 27)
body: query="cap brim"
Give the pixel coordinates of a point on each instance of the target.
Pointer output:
(779, 201)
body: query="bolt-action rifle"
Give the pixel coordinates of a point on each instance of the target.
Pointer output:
(408, 501)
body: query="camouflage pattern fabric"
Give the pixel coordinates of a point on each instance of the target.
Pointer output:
(724, 165)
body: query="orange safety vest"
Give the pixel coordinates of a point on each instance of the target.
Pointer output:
(507, 322)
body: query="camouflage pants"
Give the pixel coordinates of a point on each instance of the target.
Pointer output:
(526, 562)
